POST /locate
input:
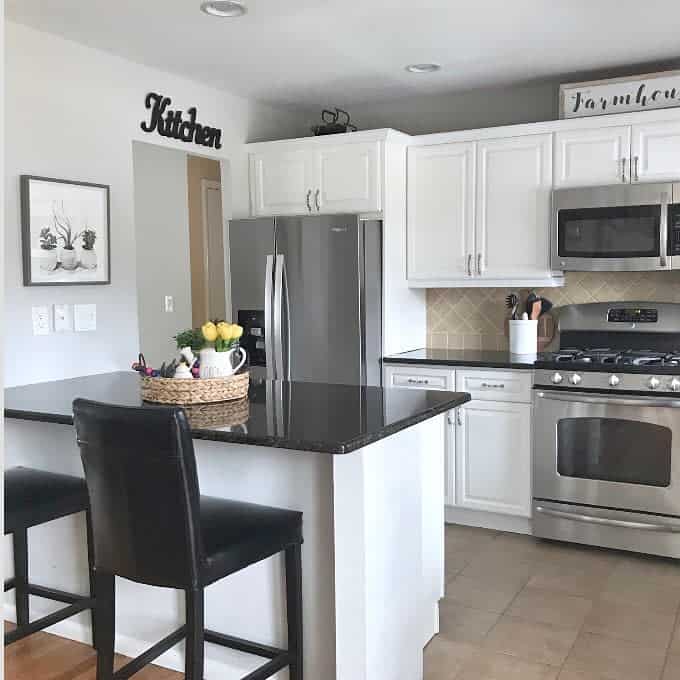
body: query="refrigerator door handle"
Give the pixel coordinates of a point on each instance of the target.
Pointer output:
(281, 323)
(269, 329)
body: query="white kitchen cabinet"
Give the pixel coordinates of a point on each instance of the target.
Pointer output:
(305, 177)
(440, 211)
(493, 457)
(656, 152)
(514, 184)
(592, 157)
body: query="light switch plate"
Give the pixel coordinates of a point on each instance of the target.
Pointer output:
(63, 319)
(85, 317)
(169, 303)
(41, 320)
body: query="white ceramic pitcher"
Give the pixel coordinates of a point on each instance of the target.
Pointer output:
(220, 364)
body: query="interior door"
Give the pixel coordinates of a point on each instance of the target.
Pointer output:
(656, 152)
(440, 205)
(592, 157)
(319, 275)
(514, 185)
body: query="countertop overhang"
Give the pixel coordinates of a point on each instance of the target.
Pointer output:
(318, 417)
(463, 357)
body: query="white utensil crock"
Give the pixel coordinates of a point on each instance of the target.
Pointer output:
(523, 336)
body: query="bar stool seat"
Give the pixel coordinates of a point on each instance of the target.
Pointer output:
(34, 497)
(237, 534)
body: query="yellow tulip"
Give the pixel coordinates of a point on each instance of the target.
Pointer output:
(209, 331)
(237, 331)
(224, 330)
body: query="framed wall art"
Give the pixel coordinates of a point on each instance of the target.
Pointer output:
(65, 229)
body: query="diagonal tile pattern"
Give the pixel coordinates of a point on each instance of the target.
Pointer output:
(474, 318)
(517, 608)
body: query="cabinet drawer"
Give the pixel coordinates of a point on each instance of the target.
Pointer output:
(417, 377)
(495, 385)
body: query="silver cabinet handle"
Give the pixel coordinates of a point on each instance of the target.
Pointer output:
(494, 386)
(420, 381)
(592, 519)
(663, 229)
(479, 263)
(636, 175)
(309, 205)
(469, 265)
(459, 417)
(316, 199)
(623, 169)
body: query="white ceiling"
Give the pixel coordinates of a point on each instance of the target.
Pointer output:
(312, 53)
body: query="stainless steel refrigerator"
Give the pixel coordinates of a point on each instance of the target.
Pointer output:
(308, 292)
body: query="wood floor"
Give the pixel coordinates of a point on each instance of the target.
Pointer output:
(47, 657)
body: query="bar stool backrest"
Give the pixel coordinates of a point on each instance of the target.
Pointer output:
(141, 477)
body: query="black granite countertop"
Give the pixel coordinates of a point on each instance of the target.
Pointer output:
(462, 357)
(317, 417)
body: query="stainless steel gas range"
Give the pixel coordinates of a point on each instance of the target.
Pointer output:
(606, 467)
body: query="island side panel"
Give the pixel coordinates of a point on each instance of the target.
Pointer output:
(248, 604)
(388, 553)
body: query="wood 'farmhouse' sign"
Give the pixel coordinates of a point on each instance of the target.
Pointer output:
(620, 95)
(169, 123)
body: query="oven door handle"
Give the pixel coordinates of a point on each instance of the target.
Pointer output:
(617, 401)
(592, 519)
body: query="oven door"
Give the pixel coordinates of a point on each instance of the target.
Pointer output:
(607, 451)
(616, 228)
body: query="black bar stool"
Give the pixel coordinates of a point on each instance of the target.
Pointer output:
(34, 497)
(151, 525)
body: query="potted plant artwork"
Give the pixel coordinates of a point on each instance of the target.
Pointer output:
(63, 227)
(48, 247)
(88, 255)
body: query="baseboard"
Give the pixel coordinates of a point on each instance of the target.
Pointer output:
(173, 659)
(487, 520)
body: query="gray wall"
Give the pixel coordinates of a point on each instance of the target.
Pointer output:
(162, 250)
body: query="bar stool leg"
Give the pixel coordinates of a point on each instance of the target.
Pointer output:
(90, 564)
(294, 607)
(195, 640)
(105, 613)
(20, 545)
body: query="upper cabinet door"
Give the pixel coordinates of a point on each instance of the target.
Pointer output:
(592, 157)
(514, 184)
(656, 152)
(440, 208)
(348, 178)
(281, 182)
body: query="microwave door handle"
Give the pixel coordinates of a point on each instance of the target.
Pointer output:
(593, 519)
(663, 230)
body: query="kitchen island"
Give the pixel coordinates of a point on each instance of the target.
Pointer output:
(364, 464)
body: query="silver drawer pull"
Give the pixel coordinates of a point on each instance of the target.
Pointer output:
(592, 519)
(494, 386)
(413, 381)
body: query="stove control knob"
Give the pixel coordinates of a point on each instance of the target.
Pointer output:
(614, 380)
(557, 378)
(575, 379)
(653, 383)
(675, 385)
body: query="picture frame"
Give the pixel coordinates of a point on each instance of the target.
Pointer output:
(65, 232)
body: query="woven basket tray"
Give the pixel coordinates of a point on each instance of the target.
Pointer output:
(195, 390)
(226, 414)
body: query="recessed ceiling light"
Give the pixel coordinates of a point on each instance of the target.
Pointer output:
(223, 8)
(423, 68)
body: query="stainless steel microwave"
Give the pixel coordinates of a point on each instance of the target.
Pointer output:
(626, 227)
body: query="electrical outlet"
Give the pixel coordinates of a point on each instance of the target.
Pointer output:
(41, 320)
(169, 303)
(85, 317)
(63, 319)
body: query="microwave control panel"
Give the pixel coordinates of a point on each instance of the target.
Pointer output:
(632, 315)
(674, 229)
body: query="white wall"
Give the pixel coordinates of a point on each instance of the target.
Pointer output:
(162, 248)
(73, 112)
(419, 115)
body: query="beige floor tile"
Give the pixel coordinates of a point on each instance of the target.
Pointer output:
(536, 642)
(507, 570)
(443, 659)
(580, 675)
(636, 624)
(614, 659)
(464, 624)
(582, 580)
(675, 642)
(665, 573)
(481, 594)
(641, 591)
(548, 606)
(517, 546)
(672, 669)
(491, 666)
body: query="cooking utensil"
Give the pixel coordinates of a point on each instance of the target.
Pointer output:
(529, 305)
(535, 309)
(512, 302)
(546, 306)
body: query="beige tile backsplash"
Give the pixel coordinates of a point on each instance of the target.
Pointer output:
(474, 318)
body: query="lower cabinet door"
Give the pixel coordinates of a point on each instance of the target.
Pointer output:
(493, 447)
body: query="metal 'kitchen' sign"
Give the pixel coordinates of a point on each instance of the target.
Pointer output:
(620, 95)
(172, 123)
